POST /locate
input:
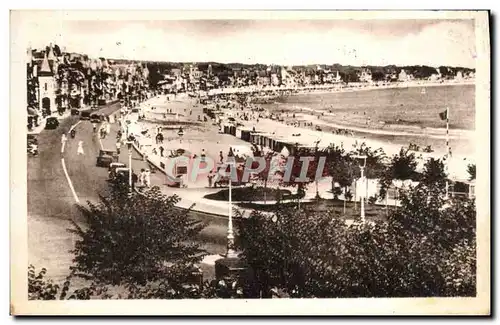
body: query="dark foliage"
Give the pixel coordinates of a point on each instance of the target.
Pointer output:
(135, 239)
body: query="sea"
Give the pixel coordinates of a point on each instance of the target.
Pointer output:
(397, 115)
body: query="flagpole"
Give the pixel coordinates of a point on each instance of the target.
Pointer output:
(447, 148)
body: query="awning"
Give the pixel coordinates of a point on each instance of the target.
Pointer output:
(32, 112)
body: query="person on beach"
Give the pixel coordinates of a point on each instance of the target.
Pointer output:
(161, 151)
(80, 151)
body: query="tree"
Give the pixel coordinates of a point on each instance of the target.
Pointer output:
(471, 169)
(424, 249)
(341, 168)
(270, 159)
(434, 175)
(313, 171)
(135, 239)
(42, 288)
(375, 161)
(57, 50)
(403, 166)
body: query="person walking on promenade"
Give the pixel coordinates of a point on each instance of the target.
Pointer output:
(94, 126)
(80, 151)
(210, 178)
(141, 177)
(118, 146)
(147, 178)
(161, 151)
(63, 138)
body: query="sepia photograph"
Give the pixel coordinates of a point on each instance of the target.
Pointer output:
(287, 162)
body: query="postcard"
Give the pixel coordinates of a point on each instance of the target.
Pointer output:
(250, 162)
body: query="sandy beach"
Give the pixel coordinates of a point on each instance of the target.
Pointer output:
(199, 135)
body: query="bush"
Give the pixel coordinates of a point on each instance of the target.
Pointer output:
(136, 239)
(425, 249)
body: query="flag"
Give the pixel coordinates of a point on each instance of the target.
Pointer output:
(444, 115)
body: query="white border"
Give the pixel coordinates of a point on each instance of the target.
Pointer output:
(218, 307)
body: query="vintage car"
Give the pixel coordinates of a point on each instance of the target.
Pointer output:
(85, 115)
(115, 165)
(95, 118)
(52, 123)
(121, 174)
(106, 157)
(118, 171)
(75, 111)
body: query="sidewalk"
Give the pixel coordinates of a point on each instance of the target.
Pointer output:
(189, 196)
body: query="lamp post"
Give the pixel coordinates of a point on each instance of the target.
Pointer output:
(362, 164)
(130, 141)
(316, 180)
(230, 234)
(180, 133)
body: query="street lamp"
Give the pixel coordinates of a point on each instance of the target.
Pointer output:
(230, 234)
(316, 180)
(180, 133)
(130, 141)
(362, 164)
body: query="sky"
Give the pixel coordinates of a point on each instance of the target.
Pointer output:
(284, 42)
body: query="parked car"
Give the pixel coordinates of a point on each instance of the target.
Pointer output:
(95, 118)
(122, 174)
(119, 172)
(52, 123)
(75, 111)
(85, 116)
(106, 157)
(113, 167)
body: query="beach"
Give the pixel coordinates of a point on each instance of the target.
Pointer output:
(199, 135)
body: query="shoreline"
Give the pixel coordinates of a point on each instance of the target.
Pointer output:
(333, 88)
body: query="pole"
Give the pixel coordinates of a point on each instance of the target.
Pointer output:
(362, 198)
(130, 170)
(448, 150)
(230, 235)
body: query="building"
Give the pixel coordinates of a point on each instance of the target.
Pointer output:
(175, 72)
(332, 77)
(194, 73)
(403, 76)
(275, 80)
(47, 85)
(365, 75)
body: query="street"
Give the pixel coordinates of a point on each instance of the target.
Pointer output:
(51, 204)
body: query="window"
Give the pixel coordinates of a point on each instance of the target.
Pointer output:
(45, 86)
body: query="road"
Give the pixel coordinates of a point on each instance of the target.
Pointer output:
(51, 204)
